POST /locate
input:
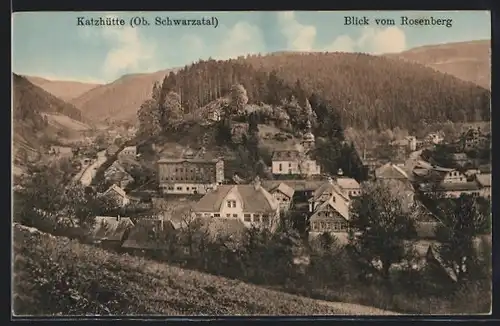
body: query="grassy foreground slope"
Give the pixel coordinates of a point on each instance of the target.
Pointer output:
(63, 277)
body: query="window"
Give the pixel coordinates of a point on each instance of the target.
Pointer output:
(182, 170)
(228, 215)
(321, 225)
(179, 188)
(228, 203)
(187, 188)
(247, 218)
(281, 167)
(314, 226)
(198, 214)
(170, 188)
(333, 199)
(343, 226)
(235, 215)
(265, 218)
(176, 170)
(256, 218)
(216, 215)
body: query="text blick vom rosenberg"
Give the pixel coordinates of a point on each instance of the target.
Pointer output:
(138, 21)
(402, 21)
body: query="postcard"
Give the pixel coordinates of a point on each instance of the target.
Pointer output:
(278, 163)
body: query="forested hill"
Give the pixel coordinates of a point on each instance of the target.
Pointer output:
(29, 99)
(367, 91)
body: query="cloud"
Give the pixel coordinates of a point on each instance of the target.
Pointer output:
(372, 40)
(243, 38)
(299, 37)
(128, 49)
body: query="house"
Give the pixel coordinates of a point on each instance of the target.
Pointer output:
(474, 138)
(484, 182)
(331, 215)
(117, 194)
(471, 173)
(62, 151)
(460, 159)
(454, 190)
(454, 176)
(129, 152)
(150, 235)
(349, 186)
(116, 174)
(409, 143)
(251, 204)
(325, 192)
(392, 171)
(303, 189)
(293, 162)
(284, 195)
(189, 176)
(434, 138)
(214, 115)
(110, 231)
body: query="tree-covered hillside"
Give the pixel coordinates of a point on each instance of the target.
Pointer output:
(367, 91)
(29, 98)
(29, 104)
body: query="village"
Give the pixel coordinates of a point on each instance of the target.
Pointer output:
(194, 186)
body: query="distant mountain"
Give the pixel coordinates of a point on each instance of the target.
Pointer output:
(120, 99)
(39, 117)
(469, 61)
(65, 90)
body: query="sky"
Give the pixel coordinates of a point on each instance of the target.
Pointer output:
(53, 46)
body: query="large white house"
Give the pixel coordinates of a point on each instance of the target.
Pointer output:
(292, 162)
(251, 204)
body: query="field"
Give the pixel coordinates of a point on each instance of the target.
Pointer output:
(65, 122)
(59, 276)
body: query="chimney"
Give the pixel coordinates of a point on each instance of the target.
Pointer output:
(256, 183)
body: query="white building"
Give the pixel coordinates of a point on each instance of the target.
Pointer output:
(292, 162)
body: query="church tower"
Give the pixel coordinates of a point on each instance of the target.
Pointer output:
(308, 140)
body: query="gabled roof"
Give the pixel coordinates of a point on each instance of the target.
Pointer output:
(297, 185)
(285, 189)
(463, 186)
(484, 180)
(339, 206)
(187, 160)
(285, 155)
(116, 189)
(328, 188)
(148, 234)
(390, 171)
(110, 227)
(254, 199)
(348, 183)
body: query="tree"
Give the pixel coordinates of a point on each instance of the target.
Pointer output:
(149, 118)
(378, 228)
(173, 110)
(463, 219)
(239, 98)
